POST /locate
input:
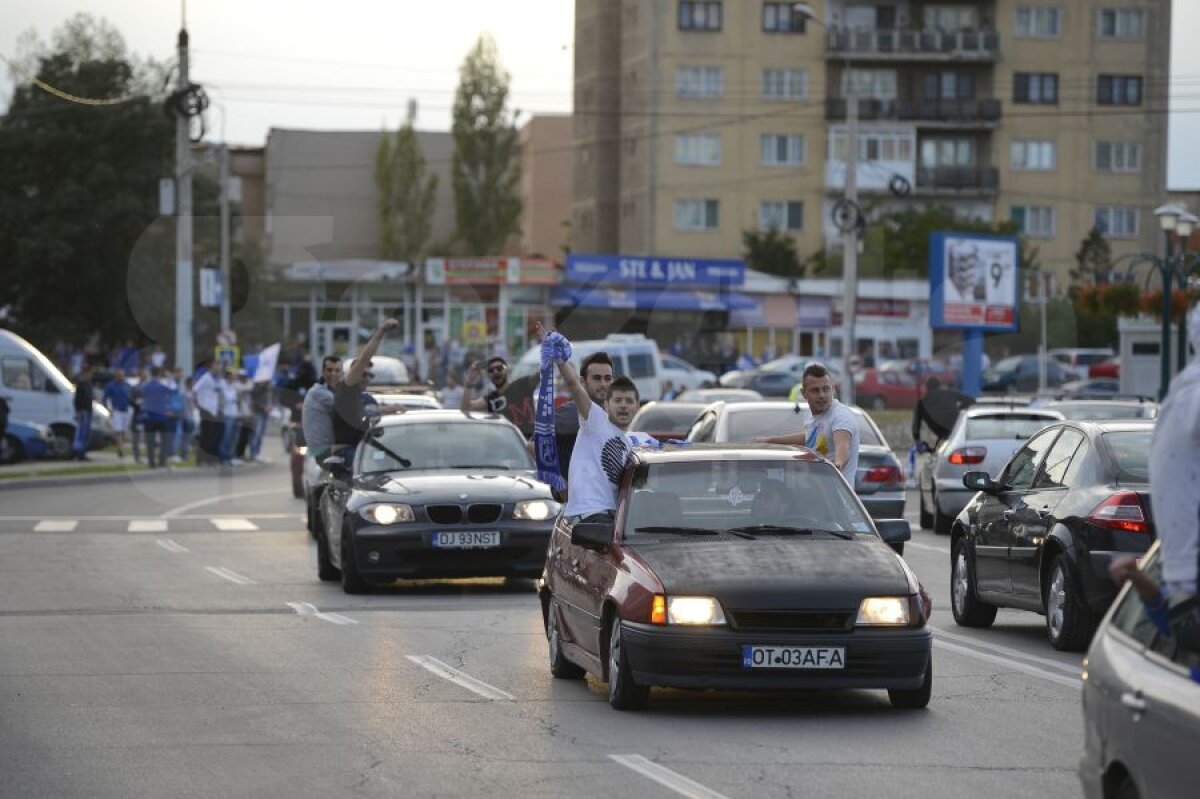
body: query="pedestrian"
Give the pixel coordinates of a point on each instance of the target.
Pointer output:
(511, 399)
(230, 416)
(833, 430)
(349, 416)
(206, 388)
(452, 393)
(84, 396)
(938, 410)
(260, 409)
(596, 371)
(156, 410)
(158, 357)
(245, 433)
(185, 426)
(137, 420)
(117, 397)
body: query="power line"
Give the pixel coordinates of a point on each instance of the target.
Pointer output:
(65, 95)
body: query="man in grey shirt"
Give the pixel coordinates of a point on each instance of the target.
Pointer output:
(316, 414)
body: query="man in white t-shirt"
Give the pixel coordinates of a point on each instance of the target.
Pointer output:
(833, 431)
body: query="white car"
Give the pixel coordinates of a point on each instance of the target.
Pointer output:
(683, 376)
(792, 364)
(410, 402)
(633, 356)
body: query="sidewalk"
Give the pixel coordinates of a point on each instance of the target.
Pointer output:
(101, 466)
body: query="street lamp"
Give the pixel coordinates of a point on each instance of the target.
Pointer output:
(1169, 217)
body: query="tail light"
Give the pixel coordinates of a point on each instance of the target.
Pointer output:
(1120, 512)
(887, 475)
(968, 456)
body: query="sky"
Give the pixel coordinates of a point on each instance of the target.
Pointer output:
(354, 64)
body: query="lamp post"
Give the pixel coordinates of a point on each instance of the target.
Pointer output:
(1168, 220)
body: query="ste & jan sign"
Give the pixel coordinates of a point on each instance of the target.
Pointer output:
(629, 269)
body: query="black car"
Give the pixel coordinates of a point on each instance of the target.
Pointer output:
(1020, 373)
(435, 494)
(767, 382)
(1041, 535)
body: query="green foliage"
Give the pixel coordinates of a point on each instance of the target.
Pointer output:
(1093, 260)
(406, 193)
(771, 251)
(486, 167)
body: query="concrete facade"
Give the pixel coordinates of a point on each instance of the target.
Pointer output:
(545, 185)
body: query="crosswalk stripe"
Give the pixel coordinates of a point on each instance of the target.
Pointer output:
(148, 526)
(234, 525)
(55, 526)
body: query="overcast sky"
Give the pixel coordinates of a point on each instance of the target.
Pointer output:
(353, 64)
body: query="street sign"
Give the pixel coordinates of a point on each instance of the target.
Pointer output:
(211, 288)
(973, 281)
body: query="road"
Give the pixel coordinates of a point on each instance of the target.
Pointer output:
(171, 638)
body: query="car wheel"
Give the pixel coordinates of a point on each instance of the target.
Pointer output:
(926, 516)
(11, 450)
(560, 667)
(1126, 789)
(326, 571)
(623, 692)
(62, 438)
(968, 610)
(316, 522)
(942, 522)
(914, 698)
(1069, 625)
(352, 583)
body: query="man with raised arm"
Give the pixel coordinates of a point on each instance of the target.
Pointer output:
(349, 416)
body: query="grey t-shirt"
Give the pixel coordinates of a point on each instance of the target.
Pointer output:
(820, 435)
(317, 417)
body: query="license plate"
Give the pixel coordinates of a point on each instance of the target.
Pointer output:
(467, 539)
(793, 657)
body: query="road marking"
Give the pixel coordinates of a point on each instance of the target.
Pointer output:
(234, 525)
(664, 776)
(309, 609)
(930, 547)
(147, 526)
(432, 664)
(1069, 668)
(231, 576)
(1010, 663)
(56, 525)
(170, 545)
(179, 510)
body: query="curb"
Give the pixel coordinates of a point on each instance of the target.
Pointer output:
(128, 477)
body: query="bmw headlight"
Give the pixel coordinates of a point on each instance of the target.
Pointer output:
(883, 611)
(536, 510)
(387, 513)
(694, 610)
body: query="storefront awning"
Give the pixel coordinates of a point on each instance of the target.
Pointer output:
(650, 299)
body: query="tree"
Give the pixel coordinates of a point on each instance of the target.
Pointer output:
(1093, 260)
(406, 193)
(486, 166)
(772, 252)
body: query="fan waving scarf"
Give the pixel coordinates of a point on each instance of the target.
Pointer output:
(555, 349)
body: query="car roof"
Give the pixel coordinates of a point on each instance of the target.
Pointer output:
(718, 452)
(441, 415)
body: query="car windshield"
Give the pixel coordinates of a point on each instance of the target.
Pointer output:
(784, 497)
(747, 423)
(1131, 451)
(443, 445)
(665, 419)
(1013, 425)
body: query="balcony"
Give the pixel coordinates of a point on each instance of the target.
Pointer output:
(894, 44)
(924, 113)
(952, 180)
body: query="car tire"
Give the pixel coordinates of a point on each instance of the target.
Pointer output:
(926, 517)
(62, 440)
(968, 610)
(11, 450)
(316, 522)
(1126, 789)
(326, 571)
(1069, 623)
(623, 692)
(914, 698)
(352, 582)
(941, 522)
(560, 667)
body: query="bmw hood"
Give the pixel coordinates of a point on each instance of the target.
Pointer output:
(420, 488)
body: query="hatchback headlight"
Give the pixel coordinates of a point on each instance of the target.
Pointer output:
(536, 510)
(694, 610)
(387, 513)
(883, 611)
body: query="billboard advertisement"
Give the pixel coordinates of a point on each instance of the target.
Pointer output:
(973, 281)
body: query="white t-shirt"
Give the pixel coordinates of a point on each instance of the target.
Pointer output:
(208, 394)
(596, 465)
(1175, 478)
(820, 435)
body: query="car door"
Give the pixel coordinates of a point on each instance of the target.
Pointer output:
(702, 429)
(1034, 518)
(1166, 709)
(333, 506)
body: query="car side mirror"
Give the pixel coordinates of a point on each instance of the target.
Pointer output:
(592, 535)
(894, 531)
(980, 481)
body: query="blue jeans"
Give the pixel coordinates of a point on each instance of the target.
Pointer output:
(256, 434)
(83, 432)
(229, 434)
(182, 444)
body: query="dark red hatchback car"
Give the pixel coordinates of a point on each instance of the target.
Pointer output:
(736, 567)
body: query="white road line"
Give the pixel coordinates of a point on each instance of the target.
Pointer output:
(56, 525)
(170, 545)
(1009, 663)
(457, 677)
(147, 526)
(179, 510)
(664, 776)
(309, 609)
(930, 547)
(228, 574)
(234, 525)
(1069, 668)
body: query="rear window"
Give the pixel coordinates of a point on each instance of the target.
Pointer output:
(666, 420)
(1014, 426)
(780, 421)
(1131, 452)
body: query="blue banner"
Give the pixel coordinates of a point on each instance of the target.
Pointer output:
(640, 270)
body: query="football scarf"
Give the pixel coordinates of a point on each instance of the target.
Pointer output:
(555, 349)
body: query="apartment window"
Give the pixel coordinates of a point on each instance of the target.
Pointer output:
(781, 215)
(1036, 156)
(1118, 156)
(697, 214)
(951, 18)
(1117, 222)
(1122, 23)
(699, 15)
(876, 84)
(780, 150)
(1119, 90)
(1034, 220)
(782, 18)
(1039, 21)
(698, 149)
(875, 145)
(785, 84)
(948, 151)
(1035, 87)
(699, 81)
(949, 85)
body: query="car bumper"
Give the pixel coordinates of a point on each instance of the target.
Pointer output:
(950, 500)
(1099, 591)
(409, 553)
(712, 658)
(884, 505)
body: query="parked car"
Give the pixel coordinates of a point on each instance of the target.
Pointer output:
(25, 441)
(666, 420)
(707, 395)
(735, 568)
(793, 364)
(1081, 359)
(1141, 707)
(634, 356)
(410, 402)
(1101, 410)
(1040, 536)
(878, 389)
(983, 439)
(1107, 368)
(766, 383)
(1020, 373)
(1090, 388)
(683, 375)
(434, 494)
(879, 482)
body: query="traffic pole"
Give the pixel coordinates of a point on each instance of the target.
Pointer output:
(183, 220)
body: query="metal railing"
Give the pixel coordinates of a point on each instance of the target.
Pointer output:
(975, 44)
(958, 178)
(968, 112)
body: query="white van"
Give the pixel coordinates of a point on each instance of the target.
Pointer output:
(633, 355)
(38, 392)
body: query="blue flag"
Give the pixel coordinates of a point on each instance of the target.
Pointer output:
(555, 349)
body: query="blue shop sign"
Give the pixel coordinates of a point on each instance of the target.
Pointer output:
(632, 269)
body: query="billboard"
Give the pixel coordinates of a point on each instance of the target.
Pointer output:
(973, 281)
(629, 270)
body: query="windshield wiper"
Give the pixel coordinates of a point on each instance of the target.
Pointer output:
(404, 462)
(673, 529)
(479, 466)
(783, 528)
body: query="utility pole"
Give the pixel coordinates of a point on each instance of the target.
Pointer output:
(183, 220)
(850, 238)
(226, 285)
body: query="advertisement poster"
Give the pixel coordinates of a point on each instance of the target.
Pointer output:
(973, 281)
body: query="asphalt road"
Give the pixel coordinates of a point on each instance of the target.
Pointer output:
(171, 638)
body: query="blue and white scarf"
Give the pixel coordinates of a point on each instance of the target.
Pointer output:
(555, 349)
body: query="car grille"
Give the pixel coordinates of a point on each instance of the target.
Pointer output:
(483, 513)
(791, 620)
(479, 513)
(444, 514)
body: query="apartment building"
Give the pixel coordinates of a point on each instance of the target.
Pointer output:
(698, 119)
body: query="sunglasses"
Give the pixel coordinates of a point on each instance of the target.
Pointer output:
(495, 370)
